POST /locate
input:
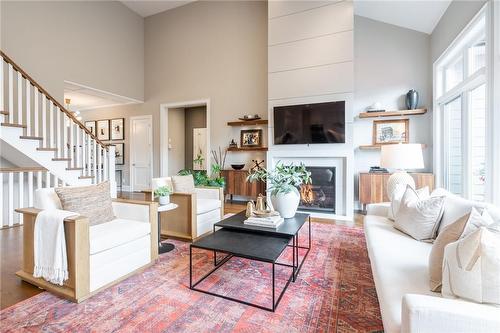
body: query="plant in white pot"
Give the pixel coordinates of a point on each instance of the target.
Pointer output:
(283, 181)
(163, 194)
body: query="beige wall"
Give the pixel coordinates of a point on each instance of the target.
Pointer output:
(204, 50)
(95, 43)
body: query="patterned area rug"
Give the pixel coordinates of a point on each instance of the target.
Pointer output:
(333, 293)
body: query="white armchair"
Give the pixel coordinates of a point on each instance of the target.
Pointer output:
(99, 255)
(197, 211)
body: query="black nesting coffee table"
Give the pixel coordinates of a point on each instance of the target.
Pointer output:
(236, 239)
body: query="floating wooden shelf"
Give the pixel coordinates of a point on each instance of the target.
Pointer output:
(247, 149)
(378, 147)
(248, 122)
(398, 113)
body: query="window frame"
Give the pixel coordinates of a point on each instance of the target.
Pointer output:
(460, 48)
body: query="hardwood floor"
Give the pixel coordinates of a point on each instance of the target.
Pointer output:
(13, 290)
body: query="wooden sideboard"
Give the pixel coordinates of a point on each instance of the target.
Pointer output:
(373, 186)
(237, 184)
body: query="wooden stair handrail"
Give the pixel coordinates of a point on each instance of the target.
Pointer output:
(52, 99)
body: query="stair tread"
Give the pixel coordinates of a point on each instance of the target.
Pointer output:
(30, 137)
(47, 149)
(74, 168)
(4, 112)
(61, 159)
(13, 125)
(86, 177)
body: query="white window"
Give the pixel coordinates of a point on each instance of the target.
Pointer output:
(461, 113)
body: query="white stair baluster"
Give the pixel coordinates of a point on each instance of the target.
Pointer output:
(94, 160)
(70, 133)
(21, 195)
(44, 121)
(30, 189)
(47, 179)
(28, 107)
(78, 148)
(19, 98)
(59, 144)
(89, 154)
(51, 125)
(39, 180)
(99, 161)
(36, 115)
(106, 152)
(11, 94)
(11, 199)
(65, 137)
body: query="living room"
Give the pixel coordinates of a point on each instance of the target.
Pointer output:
(363, 130)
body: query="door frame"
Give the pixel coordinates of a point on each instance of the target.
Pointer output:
(131, 174)
(164, 108)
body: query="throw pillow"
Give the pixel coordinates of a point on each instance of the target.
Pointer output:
(397, 195)
(183, 184)
(92, 201)
(471, 267)
(419, 218)
(455, 207)
(451, 233)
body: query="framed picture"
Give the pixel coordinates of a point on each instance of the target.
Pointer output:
(117, 129)
(90, 126)
(102, 129)
(390, 131)
(251, 138)
(119, 153)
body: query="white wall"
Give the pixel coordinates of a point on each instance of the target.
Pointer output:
(389, 61)
(95, 43)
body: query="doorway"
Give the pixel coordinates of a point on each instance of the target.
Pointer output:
(141, 152)
(184, 137)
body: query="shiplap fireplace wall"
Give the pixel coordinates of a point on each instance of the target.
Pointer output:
(310, 60)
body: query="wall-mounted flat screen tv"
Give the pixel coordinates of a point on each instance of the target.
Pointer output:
(309, 123)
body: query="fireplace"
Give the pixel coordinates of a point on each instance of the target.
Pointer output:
(320, 194)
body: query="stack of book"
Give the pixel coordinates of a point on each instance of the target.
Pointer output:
(267, 222)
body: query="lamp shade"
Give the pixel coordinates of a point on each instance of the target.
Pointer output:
(402, 156)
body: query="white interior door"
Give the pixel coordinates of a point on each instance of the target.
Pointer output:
(141, 153)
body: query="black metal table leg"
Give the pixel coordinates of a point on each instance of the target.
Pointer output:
(163, 247)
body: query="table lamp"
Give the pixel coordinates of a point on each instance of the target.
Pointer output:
(401, 157)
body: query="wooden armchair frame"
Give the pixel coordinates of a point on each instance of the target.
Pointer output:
(77, 287)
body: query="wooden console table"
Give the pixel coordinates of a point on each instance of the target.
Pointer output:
(373, 186)
(237, 184)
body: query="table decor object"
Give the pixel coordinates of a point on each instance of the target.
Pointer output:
(163, 194)
(391, 131)
(411, 99)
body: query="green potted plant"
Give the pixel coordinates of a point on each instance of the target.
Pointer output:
(283, 181)
(163, 194)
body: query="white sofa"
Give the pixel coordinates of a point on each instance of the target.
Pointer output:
(400, 271)
(102, 254)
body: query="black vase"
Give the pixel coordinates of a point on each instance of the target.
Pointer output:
(412, 99)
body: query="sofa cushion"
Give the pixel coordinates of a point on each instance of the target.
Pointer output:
(397, 196)
(206, 205)
(471, 267)
(92, 201)
(108, 235)
(451, 233)
(455, 207)
(399, 266)
(183, 184)
(419, 217)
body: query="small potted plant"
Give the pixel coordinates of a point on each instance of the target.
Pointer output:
(163, 194)
(283, 181)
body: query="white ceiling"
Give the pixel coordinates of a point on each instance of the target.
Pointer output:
(421, 15)
(86, 98)
(148, 8)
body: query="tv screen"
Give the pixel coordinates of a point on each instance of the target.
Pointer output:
(310, 123)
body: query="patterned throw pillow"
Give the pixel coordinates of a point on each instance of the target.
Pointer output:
(471, 267)
(417, 217)
(462, 227)
(183, 184)
(92, 201)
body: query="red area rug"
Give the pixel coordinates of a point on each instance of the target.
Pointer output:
(334, 292)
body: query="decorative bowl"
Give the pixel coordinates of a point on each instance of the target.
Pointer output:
(237, 166)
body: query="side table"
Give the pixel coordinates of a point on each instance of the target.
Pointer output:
(164, 247)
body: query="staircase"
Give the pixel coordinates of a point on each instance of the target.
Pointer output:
(37, 125)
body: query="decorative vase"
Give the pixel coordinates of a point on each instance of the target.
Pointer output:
(412, 99)
(286, 203)
(164, 200)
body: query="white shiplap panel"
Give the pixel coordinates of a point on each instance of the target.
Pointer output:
(281, 8)
(330, 79)
(311, 52)
(312, 23)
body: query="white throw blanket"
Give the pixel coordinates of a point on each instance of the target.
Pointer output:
(51, 261)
